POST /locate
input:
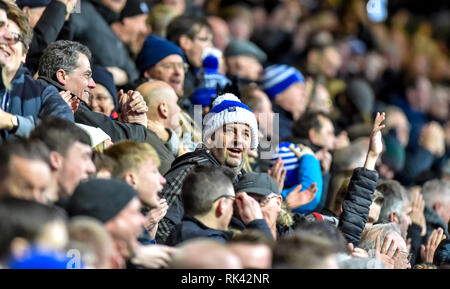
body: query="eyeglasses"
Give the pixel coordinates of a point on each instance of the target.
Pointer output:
(173, 65)
(266, 200)
(15, 37)
(226, 197)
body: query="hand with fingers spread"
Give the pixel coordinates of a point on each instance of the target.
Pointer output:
(297, 198)
(153, 256)
(248, 208)
(278, 174)
(417, 207)
(427, 252)
(376, 142)
(385, 254)
(304, 150)
(133, 107)
(357, 252)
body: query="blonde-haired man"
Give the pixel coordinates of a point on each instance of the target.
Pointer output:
(137, 164)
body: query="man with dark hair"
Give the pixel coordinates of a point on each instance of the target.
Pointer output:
(74, 73)
(25, 171)
(70, 153)
(192, 34)
(208, 198)
(23, 99)
(316, 129)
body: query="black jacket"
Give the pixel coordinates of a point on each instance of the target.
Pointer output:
(45, 32)
(191, 227)
(120, 131)
(172, 189)
(356, 204)
(90, 28)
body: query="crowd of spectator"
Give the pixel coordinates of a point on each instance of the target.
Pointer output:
(237, 134)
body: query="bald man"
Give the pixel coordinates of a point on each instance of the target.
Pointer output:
(163, 115)
(191, 255)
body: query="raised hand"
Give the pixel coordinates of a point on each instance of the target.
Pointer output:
(385, 254)
(248, 208)
(297, 199)
(427, 253)
(376, 142)
(417, 206)
(278, 174)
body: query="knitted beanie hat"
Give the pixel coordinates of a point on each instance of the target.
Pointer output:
(102, 199)
(154, 50)
(277, 78)
(227, 109)
(209, 80)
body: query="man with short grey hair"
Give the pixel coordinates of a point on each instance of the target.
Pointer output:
(393, 246)
(396, 207)
(436, 194)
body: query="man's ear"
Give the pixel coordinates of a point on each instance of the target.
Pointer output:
(185, 42)
(393, 217)
(220, 209)
(130, 178)
(162, 110)
(61, 76)
(56, 160)
(147, 73)
(312, 135)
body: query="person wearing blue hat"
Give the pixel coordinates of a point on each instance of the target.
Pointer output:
(285, 86)
(162, 60)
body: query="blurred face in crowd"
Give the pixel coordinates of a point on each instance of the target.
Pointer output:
(230, 144)
(4, 37)
(330, 62)
(398, 120)
(170, 70)
(193, 48)
(100, 100)
(419, 96)
(29, 180)
(127, 225)
(374, 213)
(114, 5)
(264, 113)
(149, 182)
(220, 31)
(321, 100)
(293, 99)
(245, 67)
(75, 166)
(79, 81)
(12, 48)
(179, 5)
(132, 31)
(34, 14)
(324, 137)
(253, 256)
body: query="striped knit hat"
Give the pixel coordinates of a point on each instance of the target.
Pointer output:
(227, 108)
(277, 78)
(290, 160)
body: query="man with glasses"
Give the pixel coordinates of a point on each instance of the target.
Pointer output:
(23, 99)
(208, 199)
(192, 34)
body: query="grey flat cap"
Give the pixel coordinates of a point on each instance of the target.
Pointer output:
(243, 47)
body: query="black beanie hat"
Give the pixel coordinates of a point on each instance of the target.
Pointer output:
(102, 199)
(133, 8)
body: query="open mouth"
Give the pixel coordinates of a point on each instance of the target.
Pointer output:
(234, 152)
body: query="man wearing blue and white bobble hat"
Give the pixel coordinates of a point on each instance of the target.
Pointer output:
(230, 130)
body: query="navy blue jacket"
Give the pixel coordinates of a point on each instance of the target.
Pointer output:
(30, 100)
